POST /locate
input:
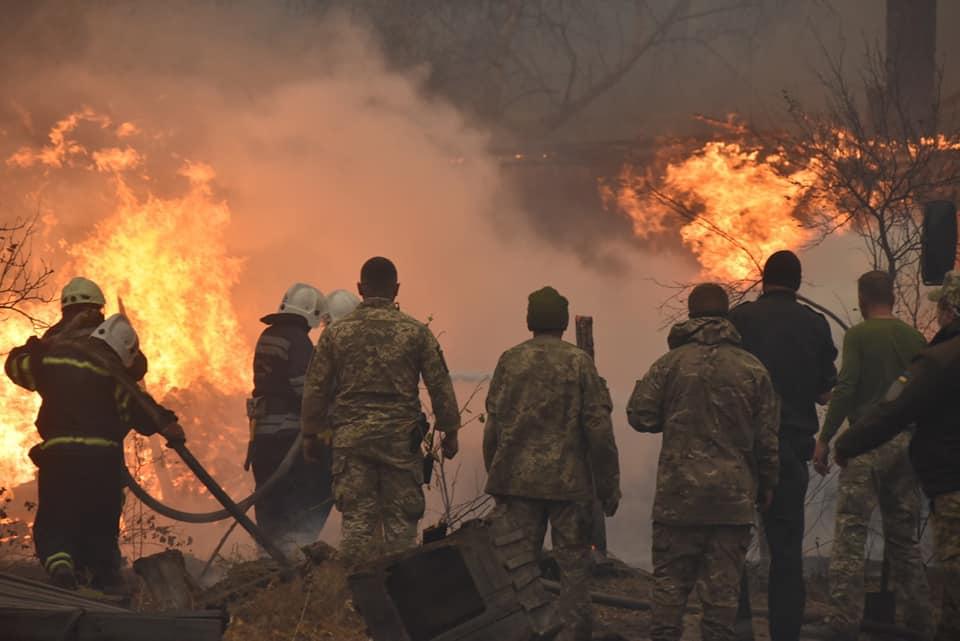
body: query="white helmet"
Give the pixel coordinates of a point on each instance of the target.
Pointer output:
(118, 333)
(303, 300)
(340, 302)
(81, 290)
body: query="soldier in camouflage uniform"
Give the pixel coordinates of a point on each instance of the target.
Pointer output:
(548, 446)
(715, 406)
(926, 398)
(875, 352)
(362, 395)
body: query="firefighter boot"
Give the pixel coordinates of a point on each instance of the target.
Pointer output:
(64, 577)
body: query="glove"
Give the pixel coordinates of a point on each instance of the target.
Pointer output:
(313, 448)
(450, 445)
(610, 504)
(821, 458)
(174, 433)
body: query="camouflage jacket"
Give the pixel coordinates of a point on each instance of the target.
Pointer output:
(715, 405)
(363, 381)
(548, 433)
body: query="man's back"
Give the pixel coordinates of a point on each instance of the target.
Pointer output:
(715, 405)
(794, 344)
(366, 373)
(875, 352)
(548, 424)
(280, 360)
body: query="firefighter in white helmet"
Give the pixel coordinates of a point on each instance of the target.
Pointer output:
(84, 417)
(81, 305)
(295, 510)
(340, 303)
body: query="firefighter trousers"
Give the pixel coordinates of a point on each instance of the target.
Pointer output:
(78, 512)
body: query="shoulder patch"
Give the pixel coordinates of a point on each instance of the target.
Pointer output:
(897, 387)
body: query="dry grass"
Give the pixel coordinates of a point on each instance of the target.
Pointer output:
(312, 608)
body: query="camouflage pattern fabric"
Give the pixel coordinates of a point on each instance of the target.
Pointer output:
(571, 523)
(715, 405)
(946, 529)
(548, 433)
(882, 477)
(362, 392)
(949, 291)
(709, 558)
(362, 385)
(381, 503)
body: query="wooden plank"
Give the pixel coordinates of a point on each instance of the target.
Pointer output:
(26, 624)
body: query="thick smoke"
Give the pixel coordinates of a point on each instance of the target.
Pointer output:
(326, 156)
(327, 153)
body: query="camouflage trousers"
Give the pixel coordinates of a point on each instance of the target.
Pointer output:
(709, 558)
(380, 504)
(946, 530)
(884, 478)
(571, 525)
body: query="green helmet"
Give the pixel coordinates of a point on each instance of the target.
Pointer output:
(80, 291)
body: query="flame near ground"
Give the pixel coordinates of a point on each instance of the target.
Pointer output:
(166, 259)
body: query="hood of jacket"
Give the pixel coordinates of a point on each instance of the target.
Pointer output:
(707, 330)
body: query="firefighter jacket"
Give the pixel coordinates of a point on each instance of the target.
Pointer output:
(363, 383)
(78, 322)
(279, 364)
(82, 402)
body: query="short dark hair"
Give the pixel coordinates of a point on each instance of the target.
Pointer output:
(379, 275)
(876, 288)
(708, 299)
(782, 269)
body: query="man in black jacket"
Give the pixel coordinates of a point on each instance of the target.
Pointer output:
(85, 415)
(795, 345)
(928, 395)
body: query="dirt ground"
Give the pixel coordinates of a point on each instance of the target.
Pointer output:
(315, 605)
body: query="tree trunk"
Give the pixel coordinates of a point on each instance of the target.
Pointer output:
(169, 587)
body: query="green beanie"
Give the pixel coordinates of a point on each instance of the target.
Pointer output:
(547, 310)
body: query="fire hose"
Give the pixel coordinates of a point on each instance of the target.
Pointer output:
(230, 507)
(212, 517)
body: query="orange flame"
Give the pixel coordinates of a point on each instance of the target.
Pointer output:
(739, 207)
(734, 205)
(166, 257)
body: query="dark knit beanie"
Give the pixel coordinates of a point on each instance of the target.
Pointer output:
(547, 311)
(783, 269)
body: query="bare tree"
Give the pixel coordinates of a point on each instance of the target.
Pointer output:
(532, 66)
(877, 163)
(23, 279)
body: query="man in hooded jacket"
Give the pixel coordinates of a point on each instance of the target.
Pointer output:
(715, 406)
